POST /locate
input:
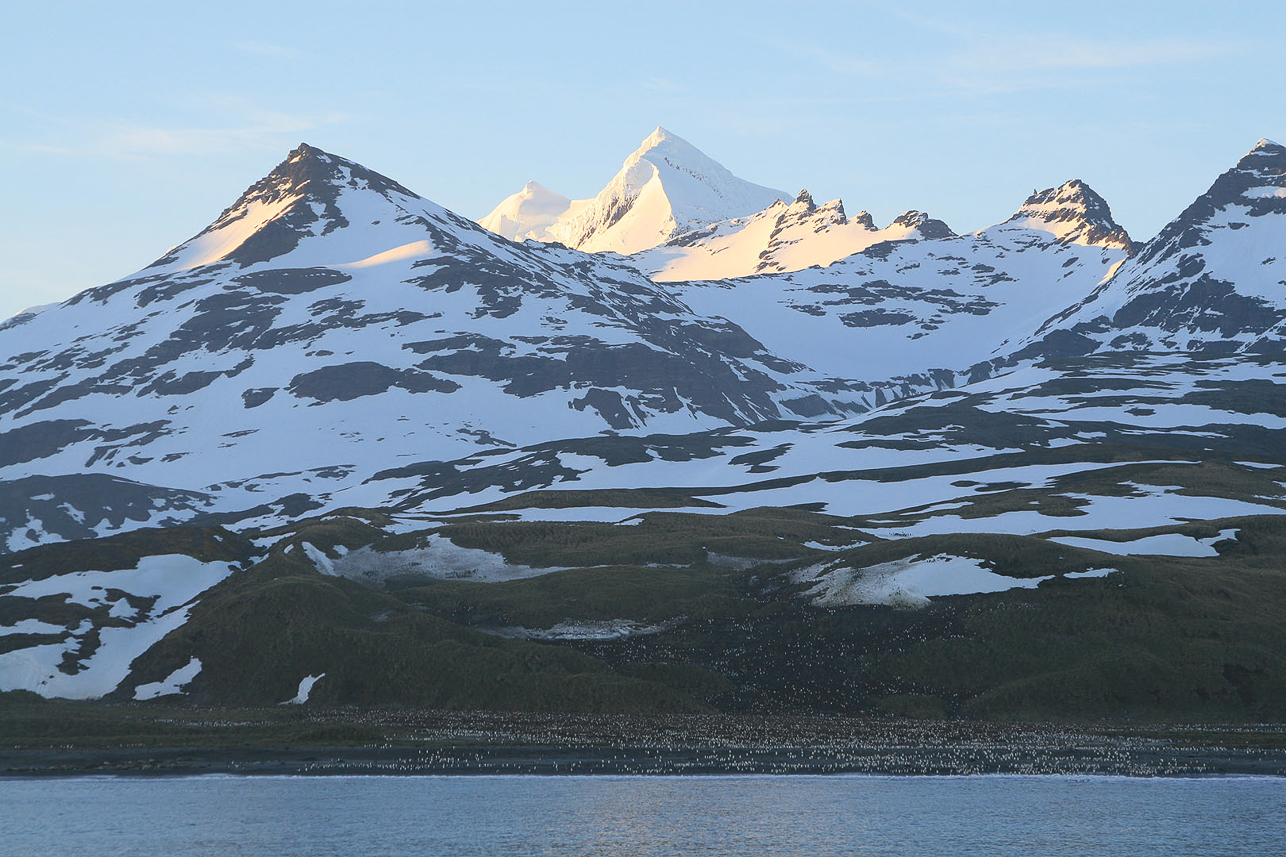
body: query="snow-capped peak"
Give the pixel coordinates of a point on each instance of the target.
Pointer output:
(300, 198)
(664, 188)
(1266, 161)
(527, 213)
(25, 315)
(783, 237)
(658, 136)
(1073, 214)
(33, 311)
(319, 175)
(1260, 174)
(863, 217)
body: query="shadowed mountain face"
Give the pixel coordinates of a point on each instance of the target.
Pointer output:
(343, 424)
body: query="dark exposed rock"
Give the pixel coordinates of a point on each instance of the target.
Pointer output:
(610, 407)
(875, 318)
(71, 392)
(924, 224)
(41, 440)
(292, 281)
(1076, 203)
(253, 398)
(1204, 304)
(308, 179)
(347, 381)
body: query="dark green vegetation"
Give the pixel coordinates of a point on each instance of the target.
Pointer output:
(683, 612)
(1163, 637)
(267, 627)
(29, 721)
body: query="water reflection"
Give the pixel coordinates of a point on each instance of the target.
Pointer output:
(759, 815)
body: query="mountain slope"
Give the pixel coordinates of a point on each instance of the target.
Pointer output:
(331, 303)
(913, 309)
(1213, 280)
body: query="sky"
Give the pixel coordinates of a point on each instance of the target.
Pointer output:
(127, 127)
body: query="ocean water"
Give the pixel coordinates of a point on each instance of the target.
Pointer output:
(602, 815)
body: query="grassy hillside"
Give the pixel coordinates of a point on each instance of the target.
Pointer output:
(682, 612)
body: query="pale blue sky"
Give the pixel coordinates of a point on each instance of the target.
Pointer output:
(127, 127)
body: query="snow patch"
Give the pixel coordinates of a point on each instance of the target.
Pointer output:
(821, 547)
(1092, 572)
(323, 562)
(1167, 544)
(439, 559)
(412, 250)
(31, 626)
(171, 684)
(912, 582)
(609, 629)
(305, 688)
(174, 580)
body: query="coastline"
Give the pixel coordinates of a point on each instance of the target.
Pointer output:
(1112, 759)
(135, 740)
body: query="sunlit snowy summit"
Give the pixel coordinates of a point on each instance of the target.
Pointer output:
(665, 188)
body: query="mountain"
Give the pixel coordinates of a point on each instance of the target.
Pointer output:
(1064, 540)
(1211, 281)
(24, 315)
(344, 447)
(676, 215)
(331, 303)
(665, 188)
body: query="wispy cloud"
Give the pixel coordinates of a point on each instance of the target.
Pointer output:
(955, 57)
(982, 58)
(834, 62)
(118, 139)
(838, 62)
(1016, 63)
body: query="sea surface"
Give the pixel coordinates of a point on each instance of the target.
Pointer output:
(606, 815)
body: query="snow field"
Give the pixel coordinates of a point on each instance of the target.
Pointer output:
(175, 580)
